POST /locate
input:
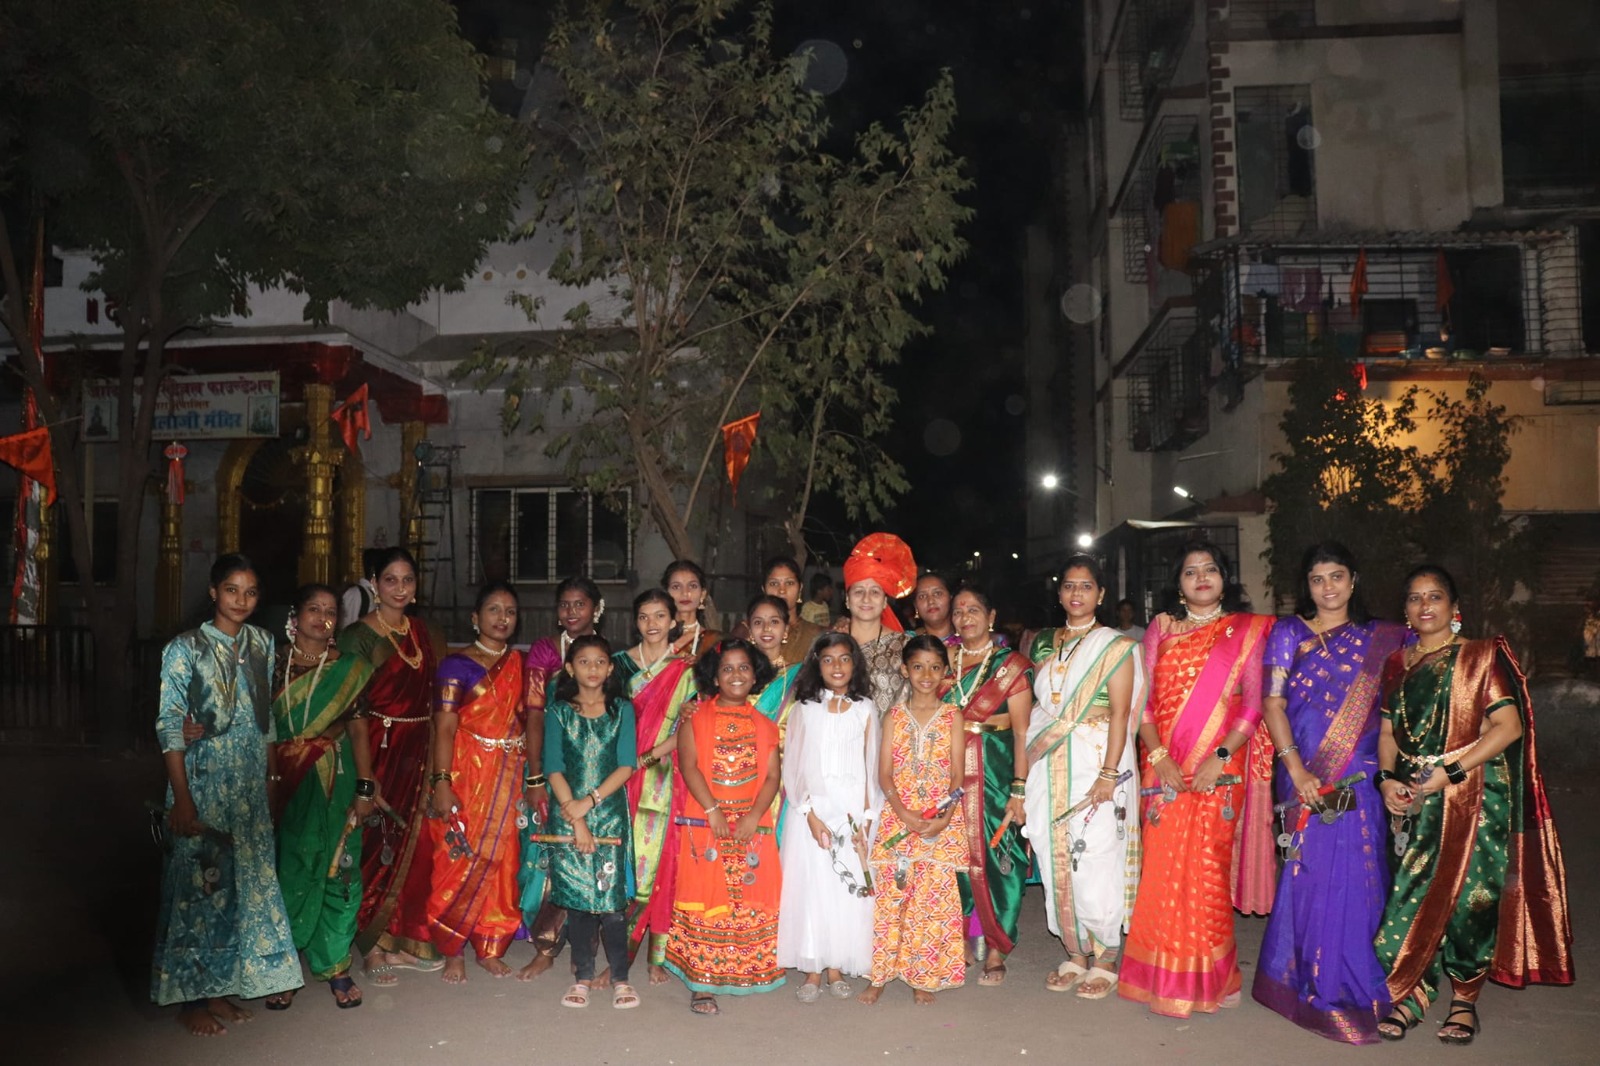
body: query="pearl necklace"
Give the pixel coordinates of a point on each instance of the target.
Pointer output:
(964, 697)
(1206, 619)
(316, 676)
(1090, 624)
(490, 652)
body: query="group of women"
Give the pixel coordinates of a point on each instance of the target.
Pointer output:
(373, 790)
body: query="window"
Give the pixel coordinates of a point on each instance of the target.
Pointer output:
(103, 541)
(547, 534)
(1549, 157)
(1277, 171)
(1270, 18)
(1487, 308)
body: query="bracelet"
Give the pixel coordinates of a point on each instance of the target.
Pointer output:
(1108, 773)
(1155, 756)
(534, 781)
(594, 798)
(1455, 773)
(1285, 751)
(441, 775)
(713, 807)
(1383, 775)
(1018, 790)
(649, 760)
(366, 788)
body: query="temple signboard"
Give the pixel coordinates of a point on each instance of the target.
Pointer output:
(192, 407)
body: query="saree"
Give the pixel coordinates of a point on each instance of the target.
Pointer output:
(1180, 954)
(916, 914)
(724, 934)
(586, 751)
(992, 884)
(1088, 890)
(396, 859)
(660, 694)
(321, 883)
(476, 850)
(775, 701)
(222, 929)
(1317, 966)
(1482, 875)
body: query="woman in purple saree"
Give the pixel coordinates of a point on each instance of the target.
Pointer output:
(1324, 666)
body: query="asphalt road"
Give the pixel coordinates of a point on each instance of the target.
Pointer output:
(78, 887)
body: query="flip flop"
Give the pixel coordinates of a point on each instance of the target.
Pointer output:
(841, 990)
(280, 1000)
(420, 965)
(346, 984)
(623, 997)
(703, 1003)
(1098, 974)
(993, 976)
(577, 996)
(1072, 971)
(383, 976)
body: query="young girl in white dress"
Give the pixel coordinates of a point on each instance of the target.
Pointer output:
(831, 786)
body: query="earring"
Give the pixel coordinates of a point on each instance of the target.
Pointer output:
(290, 627)
(475, 629)
(1408, 623)
(1455, 622)
(600, 611)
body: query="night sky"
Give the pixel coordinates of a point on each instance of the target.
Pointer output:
(959, 423)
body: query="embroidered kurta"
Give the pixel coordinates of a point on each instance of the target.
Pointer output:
(586, 751)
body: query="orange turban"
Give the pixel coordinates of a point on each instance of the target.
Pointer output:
(886, 559)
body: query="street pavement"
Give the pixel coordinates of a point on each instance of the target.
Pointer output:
(78, 888)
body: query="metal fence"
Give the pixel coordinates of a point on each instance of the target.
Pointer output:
(47, 688)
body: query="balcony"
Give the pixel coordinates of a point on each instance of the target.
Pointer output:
(1153, 36)
(1168, 407)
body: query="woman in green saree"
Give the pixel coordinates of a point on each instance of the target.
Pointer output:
(327, 789)
(1480, 889)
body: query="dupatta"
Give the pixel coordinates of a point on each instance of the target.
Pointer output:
(307, 708)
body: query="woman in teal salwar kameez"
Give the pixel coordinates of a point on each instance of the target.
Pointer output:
(222, 929)
(1480, 888)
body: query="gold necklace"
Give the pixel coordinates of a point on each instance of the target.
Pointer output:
(1420, 653)
(415, 662)
(964, 696)
(1059, 665)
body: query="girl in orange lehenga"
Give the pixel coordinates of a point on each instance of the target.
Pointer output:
(1204, 665)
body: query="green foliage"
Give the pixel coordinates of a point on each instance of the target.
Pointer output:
(729, 262)
(1347, 475)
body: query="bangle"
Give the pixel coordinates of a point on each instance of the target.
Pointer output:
(534, 781)
(1455, 773)
(441, 775)
(1108, 773)
(713, 807)
(1383, 775)
(1285, 751)
(274, 777)
(1018, 790)
(366, 788)
(594, 799)
(1155, 756)
(649, 760)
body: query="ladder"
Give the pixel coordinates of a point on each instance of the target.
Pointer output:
(431, 515)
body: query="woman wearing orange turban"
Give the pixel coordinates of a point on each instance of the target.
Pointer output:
(879, 569)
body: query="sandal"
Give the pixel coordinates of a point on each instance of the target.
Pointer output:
(993, 976)
(623, 997)
(346, 984)
(808, 993)
(1098, 973)
(1400, 1021)
(841, 990)
(703, 1003)
(577, 996)
(1459, 1033)
(1065, 977)
(280, 1000)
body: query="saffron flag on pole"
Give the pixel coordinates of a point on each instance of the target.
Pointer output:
(351, 418)
(32, 498)
(737, 440)
(29, 452)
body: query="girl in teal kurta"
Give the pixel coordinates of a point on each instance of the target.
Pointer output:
(222, 929)
(589, 752)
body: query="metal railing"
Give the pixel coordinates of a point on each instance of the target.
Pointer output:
(48, 694)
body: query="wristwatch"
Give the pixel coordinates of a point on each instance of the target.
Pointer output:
(1223, 753)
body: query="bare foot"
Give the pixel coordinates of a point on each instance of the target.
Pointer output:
(455, 971)
(659, 975)
(921, 998)
(226, 1011)
(200, 1021)
(602, 979)
(497, 967)
(870, 996)
(539, 965)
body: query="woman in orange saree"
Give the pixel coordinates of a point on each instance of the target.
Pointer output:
(477, 783)
(1206, 749)
(396, 861)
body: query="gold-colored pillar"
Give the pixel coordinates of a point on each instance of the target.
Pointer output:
(353, 512)
(169, 567)
(411, 435)
(320, 457)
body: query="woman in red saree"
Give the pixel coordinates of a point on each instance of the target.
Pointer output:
(396, 860)
(476, 784)
(1205, 747)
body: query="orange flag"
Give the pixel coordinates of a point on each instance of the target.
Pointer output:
(1358, 282)
(737, 440)
(29, 452)
(351, 418)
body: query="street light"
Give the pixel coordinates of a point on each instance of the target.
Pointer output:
(1181, 491)
(1085, 540)
(1050, 481)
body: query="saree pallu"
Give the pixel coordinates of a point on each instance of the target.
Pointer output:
(474, 887)
(992, 884)
(1088, 897)
(1317, 966)
(1180, 955)
(396, 862)
(660, 699)
(724, 934)
(318, 767)
(775, 701)
(1483, 874)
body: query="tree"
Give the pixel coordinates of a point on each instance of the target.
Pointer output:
(741, 265)
(1347, 475)
(1461, 523)
(195, 148)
